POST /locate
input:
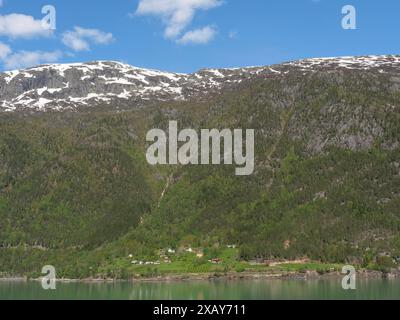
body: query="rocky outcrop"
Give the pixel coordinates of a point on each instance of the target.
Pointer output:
(60, 87)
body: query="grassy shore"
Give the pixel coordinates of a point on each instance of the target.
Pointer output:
(178, 266)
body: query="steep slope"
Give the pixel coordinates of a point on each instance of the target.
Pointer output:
(326, 183)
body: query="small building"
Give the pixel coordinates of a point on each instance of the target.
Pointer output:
(215, 261)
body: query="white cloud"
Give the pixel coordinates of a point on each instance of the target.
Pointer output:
(80, 39)
(24, 59)
(5, 50)
(22, 26)
(176, 14)
(198, 36)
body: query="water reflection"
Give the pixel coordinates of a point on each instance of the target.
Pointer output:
(204, 290)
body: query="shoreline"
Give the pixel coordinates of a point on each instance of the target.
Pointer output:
(230, 276)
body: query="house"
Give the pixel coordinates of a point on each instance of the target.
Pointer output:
(215, 261)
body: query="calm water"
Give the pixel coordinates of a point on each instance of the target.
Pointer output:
(262, 289)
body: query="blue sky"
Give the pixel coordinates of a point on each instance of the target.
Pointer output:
(187, 35)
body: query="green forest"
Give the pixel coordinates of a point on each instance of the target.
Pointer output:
(76, 191)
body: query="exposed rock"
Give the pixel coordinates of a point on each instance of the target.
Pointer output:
(59, 87)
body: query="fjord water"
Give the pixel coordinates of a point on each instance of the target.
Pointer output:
(373, 289)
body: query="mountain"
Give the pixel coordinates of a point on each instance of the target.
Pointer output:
(119, 86)
(76, 190)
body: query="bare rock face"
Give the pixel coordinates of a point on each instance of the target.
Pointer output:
(59, 87)
(73, 86)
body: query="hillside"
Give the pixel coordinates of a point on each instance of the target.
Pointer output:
(76, 190)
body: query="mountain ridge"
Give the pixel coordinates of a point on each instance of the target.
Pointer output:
(74, 86)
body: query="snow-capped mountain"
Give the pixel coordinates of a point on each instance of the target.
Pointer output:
(71, 86)
(60, 87)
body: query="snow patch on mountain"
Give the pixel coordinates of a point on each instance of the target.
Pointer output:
(71, 86)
